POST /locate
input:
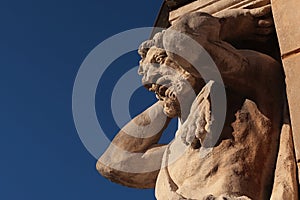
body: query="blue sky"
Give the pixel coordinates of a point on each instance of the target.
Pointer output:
(43, 44)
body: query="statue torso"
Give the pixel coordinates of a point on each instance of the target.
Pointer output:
(241, 165)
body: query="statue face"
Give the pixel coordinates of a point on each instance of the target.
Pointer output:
(166, 79)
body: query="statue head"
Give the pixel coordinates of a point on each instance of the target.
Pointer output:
(166, 79)
(167, 74)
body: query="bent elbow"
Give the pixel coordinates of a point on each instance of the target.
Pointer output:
(135, 180)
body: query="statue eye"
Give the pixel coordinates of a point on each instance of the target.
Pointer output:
(160, 58)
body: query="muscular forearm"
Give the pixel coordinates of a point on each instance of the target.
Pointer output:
(134, 157)
(143, 131)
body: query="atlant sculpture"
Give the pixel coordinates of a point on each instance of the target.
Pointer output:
(240, 164)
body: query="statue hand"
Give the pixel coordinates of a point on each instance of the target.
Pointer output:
(253, 24)
(199, 121)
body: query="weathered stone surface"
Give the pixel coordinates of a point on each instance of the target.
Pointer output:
(196, 5)
(298, 166)
(241, 164)
(215, 7)
(286, 17)
(285, 182)
(251, 21)
(236, 166)
(292, 71)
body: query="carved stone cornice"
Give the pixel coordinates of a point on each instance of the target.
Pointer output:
(215, 7)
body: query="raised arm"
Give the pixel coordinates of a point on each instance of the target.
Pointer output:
(242, 70)
(134, 158)
(254, 24)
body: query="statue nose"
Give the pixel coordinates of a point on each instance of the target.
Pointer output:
(150, 72)
(141, 70)
(152, 79)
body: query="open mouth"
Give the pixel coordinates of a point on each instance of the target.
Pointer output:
(162, 92)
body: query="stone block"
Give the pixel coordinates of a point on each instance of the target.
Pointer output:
(292, 71)
(286, 16)
(285, 181)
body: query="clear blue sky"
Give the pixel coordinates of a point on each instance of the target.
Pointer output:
(43, 44)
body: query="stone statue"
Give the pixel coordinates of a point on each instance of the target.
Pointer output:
(241, 164)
